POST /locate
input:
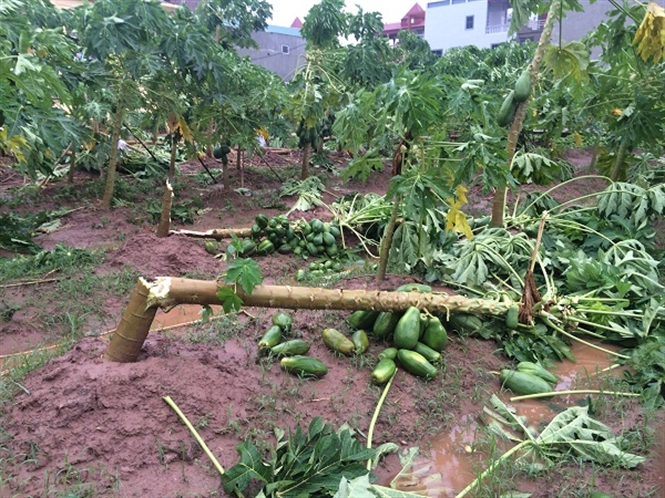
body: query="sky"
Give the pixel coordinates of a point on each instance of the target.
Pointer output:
(285, 11)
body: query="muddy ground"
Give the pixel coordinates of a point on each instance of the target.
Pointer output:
(89, 427)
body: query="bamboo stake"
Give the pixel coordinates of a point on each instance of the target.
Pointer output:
(198, 438)
(29, 282)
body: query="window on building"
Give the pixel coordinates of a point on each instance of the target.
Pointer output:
(458, 1)
(438, 4)
(469, 22)
(438, 52)
(286, 49)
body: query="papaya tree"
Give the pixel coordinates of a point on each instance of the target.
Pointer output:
(124, 37)
(412, 114)
(234, 21)
(167, 292)
(627, 90)
(316, 91)
(32, 53)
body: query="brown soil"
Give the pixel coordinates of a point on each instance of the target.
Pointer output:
(99, 428)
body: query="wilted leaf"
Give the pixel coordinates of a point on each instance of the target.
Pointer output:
(650, 36)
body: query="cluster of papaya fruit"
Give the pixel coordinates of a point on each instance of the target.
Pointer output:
(417, 338)
(529, 378)
(519, 94)
(302, 238)
(293, 352)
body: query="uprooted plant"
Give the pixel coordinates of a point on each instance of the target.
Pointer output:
(572, 432)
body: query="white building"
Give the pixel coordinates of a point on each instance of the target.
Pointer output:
(485, 23)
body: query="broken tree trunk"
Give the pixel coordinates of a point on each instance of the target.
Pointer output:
(168, 292)
(215, 233)
(165, 217)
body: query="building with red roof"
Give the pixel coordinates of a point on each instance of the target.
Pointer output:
(413, 21)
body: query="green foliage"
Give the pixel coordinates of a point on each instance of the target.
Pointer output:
(571, 431)
(304, 464)
(16, 231)
(308, 192)
(648, 362)
(234, 21)
(324, 24)
(633, 202)
(59, 258)
(531, 167)
(243, 272)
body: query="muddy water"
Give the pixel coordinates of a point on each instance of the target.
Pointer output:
(452, 463)
(180, 315)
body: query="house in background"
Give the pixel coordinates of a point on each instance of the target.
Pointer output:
(280, 49)
(413, 21)
(485, 23)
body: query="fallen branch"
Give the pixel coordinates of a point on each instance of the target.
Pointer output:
(30, 282)
(370, 432)
(578, 391)
(215, 233)
(168, 292)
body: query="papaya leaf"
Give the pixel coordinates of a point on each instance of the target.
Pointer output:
(648, 37)
(244, 272)
(573, 430)
(305, 464)
(250, 467)
(571, 59)
(360, 487)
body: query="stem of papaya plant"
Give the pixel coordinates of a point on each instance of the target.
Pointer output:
(549, 323)
(491, 468)
(370, 432)
(578, 391)
(198, 438)
(387, 241)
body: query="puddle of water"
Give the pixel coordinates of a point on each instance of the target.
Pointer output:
(181, 314)
(451, 466)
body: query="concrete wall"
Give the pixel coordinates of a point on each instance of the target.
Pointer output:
(270, 54)
(445, 25)
(577, 24)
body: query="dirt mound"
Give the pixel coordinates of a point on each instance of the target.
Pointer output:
(84, 419)
(172, 256)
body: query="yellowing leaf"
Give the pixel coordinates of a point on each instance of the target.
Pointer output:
(456, 220)
(460, 192)
(14, 146)
(650, 36)
(185, 131)
(578, 139)
(263, 132)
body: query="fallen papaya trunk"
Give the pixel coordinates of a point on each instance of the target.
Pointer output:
(168, 292)
(215, 233)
